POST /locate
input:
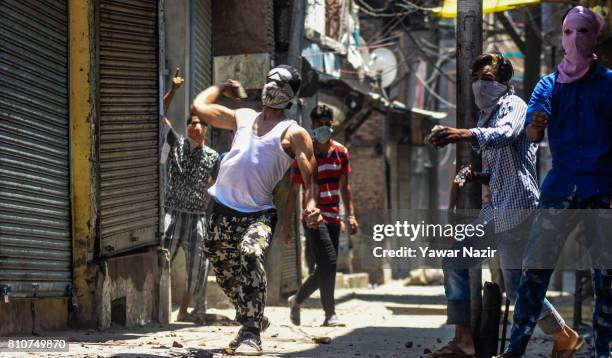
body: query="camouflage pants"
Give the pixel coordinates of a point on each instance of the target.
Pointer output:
(235, 246)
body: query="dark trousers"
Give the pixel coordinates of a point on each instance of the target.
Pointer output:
(324, 247)
(547, 237)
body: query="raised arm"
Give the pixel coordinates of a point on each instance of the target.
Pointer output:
(177, 82)
(216, 115)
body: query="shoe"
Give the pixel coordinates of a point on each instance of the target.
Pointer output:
(236, 341)
(265, 323)
(333, 321)
(294, 311)
(246, 343)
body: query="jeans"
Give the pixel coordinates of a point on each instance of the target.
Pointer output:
(510, 245)
(546, 240)
(324, 245)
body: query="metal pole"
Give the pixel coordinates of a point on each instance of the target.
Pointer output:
(469, 46)
(533, 51)
(294, 58)
(298, 15)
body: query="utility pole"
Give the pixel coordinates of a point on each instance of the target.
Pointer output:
(298, 15)
(469, 46)
(533, 52)
(533, 49)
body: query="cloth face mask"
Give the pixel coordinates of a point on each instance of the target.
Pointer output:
(323, 134)
(487, 94)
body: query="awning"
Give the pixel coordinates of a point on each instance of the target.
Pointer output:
(449, 8)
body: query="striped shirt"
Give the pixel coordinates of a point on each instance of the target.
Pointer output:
(510, 160)
(330, 167)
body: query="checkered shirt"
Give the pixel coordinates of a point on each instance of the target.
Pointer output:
(510, 160)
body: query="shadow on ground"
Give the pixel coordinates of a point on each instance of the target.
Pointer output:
(389, 299)
(377, 342)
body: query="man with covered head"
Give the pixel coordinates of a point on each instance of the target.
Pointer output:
(573, 104)
(243, 219)
(510, 174)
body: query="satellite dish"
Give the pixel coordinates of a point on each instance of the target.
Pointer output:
(384, 64)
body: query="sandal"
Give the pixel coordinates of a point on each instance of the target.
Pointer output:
(451, 350)
(568, 353)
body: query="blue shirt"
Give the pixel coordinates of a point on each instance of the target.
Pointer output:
(510, 160)
(579, 133)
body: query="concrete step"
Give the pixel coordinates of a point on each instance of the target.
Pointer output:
(352, 280)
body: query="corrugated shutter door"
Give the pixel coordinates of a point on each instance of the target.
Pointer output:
(201, 53)
(129, 125)
(35, 234)
(289, 280)
(202, 45)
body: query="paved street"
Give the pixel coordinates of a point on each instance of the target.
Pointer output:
(388, 321)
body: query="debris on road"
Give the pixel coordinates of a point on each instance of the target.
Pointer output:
(321, 340)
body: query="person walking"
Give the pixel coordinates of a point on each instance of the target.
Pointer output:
(333, 169)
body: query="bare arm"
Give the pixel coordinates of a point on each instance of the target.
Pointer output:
(216, 115)
(347, 198)
(301, 145)
(177, 82)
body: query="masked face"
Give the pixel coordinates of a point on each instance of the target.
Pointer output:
(196, 131)
(323, 134)
(580, 29)
(487, 93)
(276, 95)
(578, 41)
(278, 91)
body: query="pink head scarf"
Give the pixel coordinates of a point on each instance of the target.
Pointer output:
(580, 29)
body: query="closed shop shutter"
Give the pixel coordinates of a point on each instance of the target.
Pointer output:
(35, 229)
(289, 282)
(201, 45)
(129, 125)
(201, 53)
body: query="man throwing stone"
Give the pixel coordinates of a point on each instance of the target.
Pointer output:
(243, 219)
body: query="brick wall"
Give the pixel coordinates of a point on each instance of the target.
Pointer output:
(368, 183)
(367, 160)
(367, 179)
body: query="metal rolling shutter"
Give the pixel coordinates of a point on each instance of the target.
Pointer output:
(201, 45)
(201, 52)
(129, 125)
(289, 281)
(35, 230)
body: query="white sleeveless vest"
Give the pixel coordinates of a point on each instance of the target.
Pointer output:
(252, 168)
